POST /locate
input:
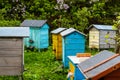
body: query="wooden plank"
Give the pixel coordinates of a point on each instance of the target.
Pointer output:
(10, 71)
(10, 61)
(8, 52)
(94, 38)
(115, 73)
(112, 78)
(93, 45)
(10, 43)
(104, 73)
(9, 38)
(109, 40)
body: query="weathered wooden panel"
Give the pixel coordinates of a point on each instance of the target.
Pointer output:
(111, 78)
(94, 39)
(11, 56)
(59, 47)
(107, 42)
(44, 38)
(39, 35)
(115, 75)
(93, 46)
(10, 43)
(54, 41)
(10, 61)
(8, 52)
(10, 71)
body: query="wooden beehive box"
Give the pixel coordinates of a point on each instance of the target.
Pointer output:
(101, 36)
(57, 42)
(39, 33)
(12, 50)
(103, 66)
(73, 61)
(73, 42)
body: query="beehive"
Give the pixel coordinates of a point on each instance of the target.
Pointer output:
(57, 42)
(73, 61)
(101, 36)
(103, 66)
(73, 42)
(39, 33)
(12, 50)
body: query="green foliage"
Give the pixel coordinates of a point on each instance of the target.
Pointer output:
(78, 14)
(81, 18)
(41, 9)
(117, 37)
(9, 23)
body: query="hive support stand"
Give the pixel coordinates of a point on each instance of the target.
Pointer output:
(21, 77)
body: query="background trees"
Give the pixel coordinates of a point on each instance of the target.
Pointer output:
(116, 26)
(61, 13)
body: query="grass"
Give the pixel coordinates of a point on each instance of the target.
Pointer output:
(40, 66)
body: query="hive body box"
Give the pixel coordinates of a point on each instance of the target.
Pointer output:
(12, 50)
(73, 42)
(57, 42)
(73, 61)
(39, 33)
(103, 66)
(101, 36)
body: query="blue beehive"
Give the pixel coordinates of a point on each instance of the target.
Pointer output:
(73, 42)
(73, 61)
(39, 33)
(103, 66)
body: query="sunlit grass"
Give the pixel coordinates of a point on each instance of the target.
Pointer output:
(43, 66)
(40, 66)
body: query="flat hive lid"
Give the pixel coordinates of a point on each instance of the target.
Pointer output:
(77, 60)
(58, 30)
(14, 31)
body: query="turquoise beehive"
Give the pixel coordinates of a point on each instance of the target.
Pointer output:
(73, 42)
(39, 33)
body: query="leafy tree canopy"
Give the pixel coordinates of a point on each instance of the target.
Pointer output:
(62, 13)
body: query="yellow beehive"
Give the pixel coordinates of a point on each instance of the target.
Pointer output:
(53, 41)
(57, 42)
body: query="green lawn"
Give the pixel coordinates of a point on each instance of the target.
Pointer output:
(40, 66)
